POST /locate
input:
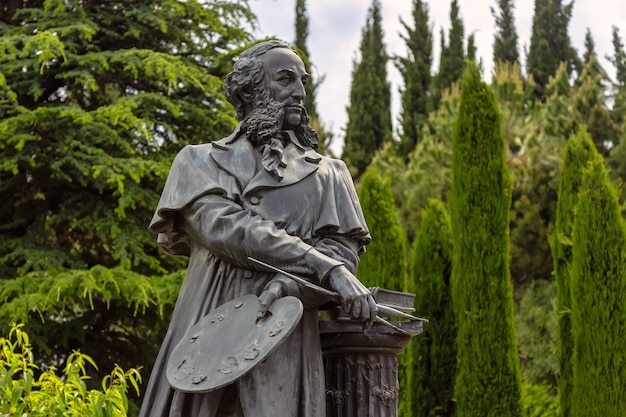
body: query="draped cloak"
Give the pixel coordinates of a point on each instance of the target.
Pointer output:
(218, 207)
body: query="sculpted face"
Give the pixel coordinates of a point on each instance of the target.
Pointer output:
(285, 78)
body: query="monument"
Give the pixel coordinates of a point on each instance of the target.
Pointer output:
(240, 207)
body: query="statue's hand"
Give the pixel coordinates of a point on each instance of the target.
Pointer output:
(355, 299)
(276, 288)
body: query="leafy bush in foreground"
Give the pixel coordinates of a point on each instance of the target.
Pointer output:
(26, 391)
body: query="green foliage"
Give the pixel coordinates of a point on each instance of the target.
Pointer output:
(451, 59)
(95, 100)
(369, 112)
(117, 315)
(415, 70)
(384, 264)
(537, 401)
(550, 43)
(428, 172)
(537, 330)
(488, 376)
(617, 160)
(598, 284)
(302, 33)
(26, 391)
(434, 352)
(578, 152)
(505, 38)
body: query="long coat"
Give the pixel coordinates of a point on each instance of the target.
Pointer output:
(218, 207)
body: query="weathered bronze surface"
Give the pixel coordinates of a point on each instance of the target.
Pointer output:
(361, 369)
(264, 191)
(227, 343)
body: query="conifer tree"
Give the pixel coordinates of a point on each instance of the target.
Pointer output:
(369, 111)
(617, 160)
(598, 285)
(590, 47)
(302, 35)
(471, 47)
(452, 57)
(310, 102)
(550, 43)
(488, 376)
(618, 59)
(97, 97)
(415, 70)
(505, 39)
(434, 352)
(578, 152)
(384, 264)
(589, 100)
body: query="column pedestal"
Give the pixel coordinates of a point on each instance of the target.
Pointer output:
(361, 369)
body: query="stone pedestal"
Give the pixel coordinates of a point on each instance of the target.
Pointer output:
(361, 369)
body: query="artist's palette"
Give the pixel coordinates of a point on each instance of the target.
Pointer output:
(229, 341)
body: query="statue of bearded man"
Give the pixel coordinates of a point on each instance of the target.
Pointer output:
(262, 192)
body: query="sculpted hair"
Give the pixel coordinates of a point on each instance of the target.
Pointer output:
(265, 119)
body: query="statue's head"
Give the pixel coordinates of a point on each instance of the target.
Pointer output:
(267, 88)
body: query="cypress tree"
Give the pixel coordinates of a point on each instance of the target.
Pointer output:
(452, 56)
(310, 102)
(590, 47)
(415, 70)
(578, 152)
(488, 376)
(471, 48)
(619, 62)
(302, 34)
(550, 43)
(384, 264)
(369, 112)
(598, 285)
(617, 160)
(505, 38)
(434, 352)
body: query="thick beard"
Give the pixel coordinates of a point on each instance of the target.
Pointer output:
(265, 121)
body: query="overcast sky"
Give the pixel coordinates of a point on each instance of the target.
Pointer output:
(335, 33)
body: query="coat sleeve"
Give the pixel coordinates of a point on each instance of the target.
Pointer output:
(233, 233)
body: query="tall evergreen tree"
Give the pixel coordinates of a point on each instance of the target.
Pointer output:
(578, 152)
(471, 47)
(505, 39)
(617, 158)
(434, 352)
(384, 264)
(590, 47)
(97, 97)
(598, 285)
(550, 43)
(310, 102)
(619, 90)
(452, 57)
(488, 377)
(415, 70)
(369, 111)
(302, 35)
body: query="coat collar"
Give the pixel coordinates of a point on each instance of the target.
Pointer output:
(236, 155)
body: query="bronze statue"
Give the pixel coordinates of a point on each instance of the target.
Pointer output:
(262, 192)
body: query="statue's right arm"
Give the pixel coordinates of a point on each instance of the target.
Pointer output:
(233, 234)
